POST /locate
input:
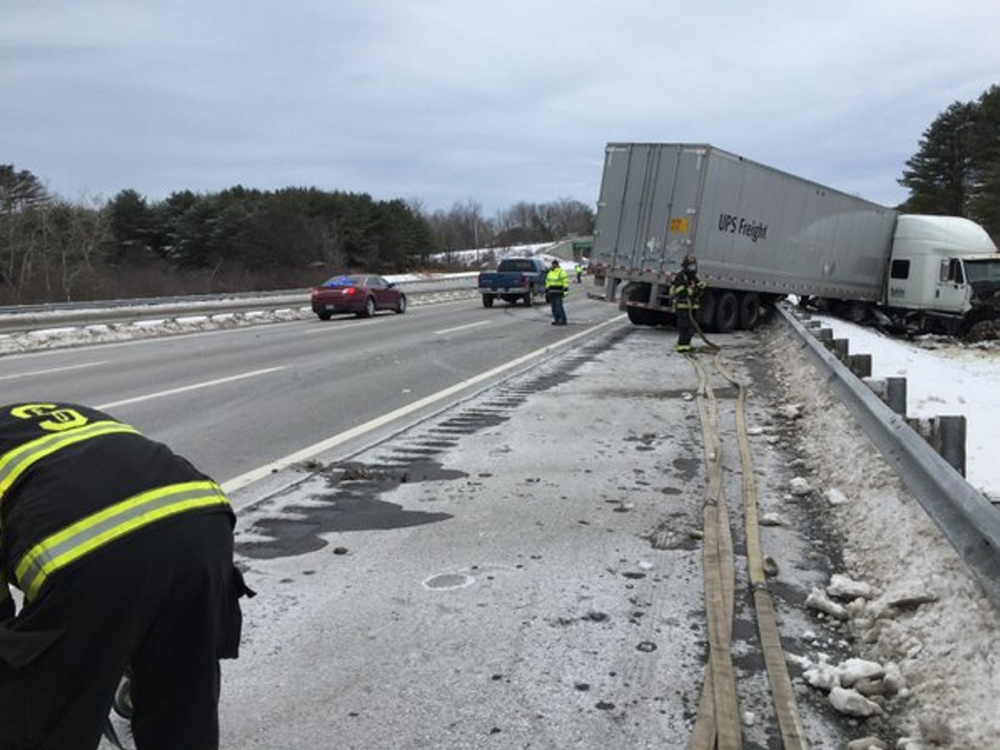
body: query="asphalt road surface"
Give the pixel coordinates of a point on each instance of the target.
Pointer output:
(245, 402)
(522, 570)
(467, 528)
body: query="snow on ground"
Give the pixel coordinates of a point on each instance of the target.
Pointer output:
(926, 621)
(943, 377)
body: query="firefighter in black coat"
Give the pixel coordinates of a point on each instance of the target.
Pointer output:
(123, 552)
(686, 291)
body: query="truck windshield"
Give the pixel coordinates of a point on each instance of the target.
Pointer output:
(983, 270)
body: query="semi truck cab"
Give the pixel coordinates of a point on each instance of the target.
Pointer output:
(944, 265)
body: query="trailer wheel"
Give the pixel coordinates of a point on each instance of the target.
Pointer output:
(749, 311)
(706, 310)
(640, 316)
(728, 313)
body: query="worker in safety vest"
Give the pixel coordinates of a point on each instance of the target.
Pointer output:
(123, 552)
(686, 291)
(556, 287)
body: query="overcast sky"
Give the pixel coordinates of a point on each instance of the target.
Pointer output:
(445, 101)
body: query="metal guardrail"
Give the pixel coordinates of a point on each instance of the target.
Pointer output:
(965, 516)
(32, 317)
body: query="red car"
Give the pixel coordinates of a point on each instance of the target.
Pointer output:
(361, 294)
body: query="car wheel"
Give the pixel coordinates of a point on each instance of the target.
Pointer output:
(324, 315)
(369, 311)
(401, 305)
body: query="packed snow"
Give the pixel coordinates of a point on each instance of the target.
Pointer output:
(905, 599)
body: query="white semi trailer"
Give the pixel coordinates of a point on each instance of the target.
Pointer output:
(760, 234)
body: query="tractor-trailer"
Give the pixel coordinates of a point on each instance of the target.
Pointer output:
(759, 234)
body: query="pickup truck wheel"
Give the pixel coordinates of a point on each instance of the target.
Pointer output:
(728, 313)
(487, 300)
(527, 299)
(749, 311)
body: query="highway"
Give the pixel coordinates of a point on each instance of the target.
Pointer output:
(521, 568)
(239, 402)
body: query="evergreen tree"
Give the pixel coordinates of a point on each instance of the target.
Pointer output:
(19, 190)
(940, 174)
(132, 225)
(984, 194)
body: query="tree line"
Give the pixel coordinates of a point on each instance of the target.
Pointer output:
(238, 239)
(242, 239)
(956, 170)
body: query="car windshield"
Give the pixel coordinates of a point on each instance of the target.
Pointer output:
(343, 281)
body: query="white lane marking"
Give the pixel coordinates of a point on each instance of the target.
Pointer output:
(327, 325)
(462, 328)
(192, 387)
(50, 370)
(254, 475)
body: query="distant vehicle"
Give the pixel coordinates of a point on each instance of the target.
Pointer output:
(361, 294)
(515, 279)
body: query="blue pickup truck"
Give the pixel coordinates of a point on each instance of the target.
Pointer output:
(515, 279)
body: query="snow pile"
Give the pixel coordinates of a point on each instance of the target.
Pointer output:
(905, 603)
(54, 338)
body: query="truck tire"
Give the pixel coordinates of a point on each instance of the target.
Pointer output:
(640, 316)
(749, 311)
(487, 300)
(527, 299)
(706, 310)
(728, 312)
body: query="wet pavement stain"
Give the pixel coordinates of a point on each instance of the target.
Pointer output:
(352, 503)
(687, 468)
(299, 536)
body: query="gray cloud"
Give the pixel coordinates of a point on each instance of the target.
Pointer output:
(445, 101)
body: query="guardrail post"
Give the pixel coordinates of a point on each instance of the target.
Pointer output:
(860, 365)
(895, 395)
(952, 438)
(840, 348)
(891, 391)
(879, 387)
(825, 336)
(946, 435)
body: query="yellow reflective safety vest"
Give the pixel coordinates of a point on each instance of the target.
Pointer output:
(74, 481)
(556, 280)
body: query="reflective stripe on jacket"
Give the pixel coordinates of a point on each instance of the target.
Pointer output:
(14, 463)
(687, 296)
(74, 480)
(90, 533)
